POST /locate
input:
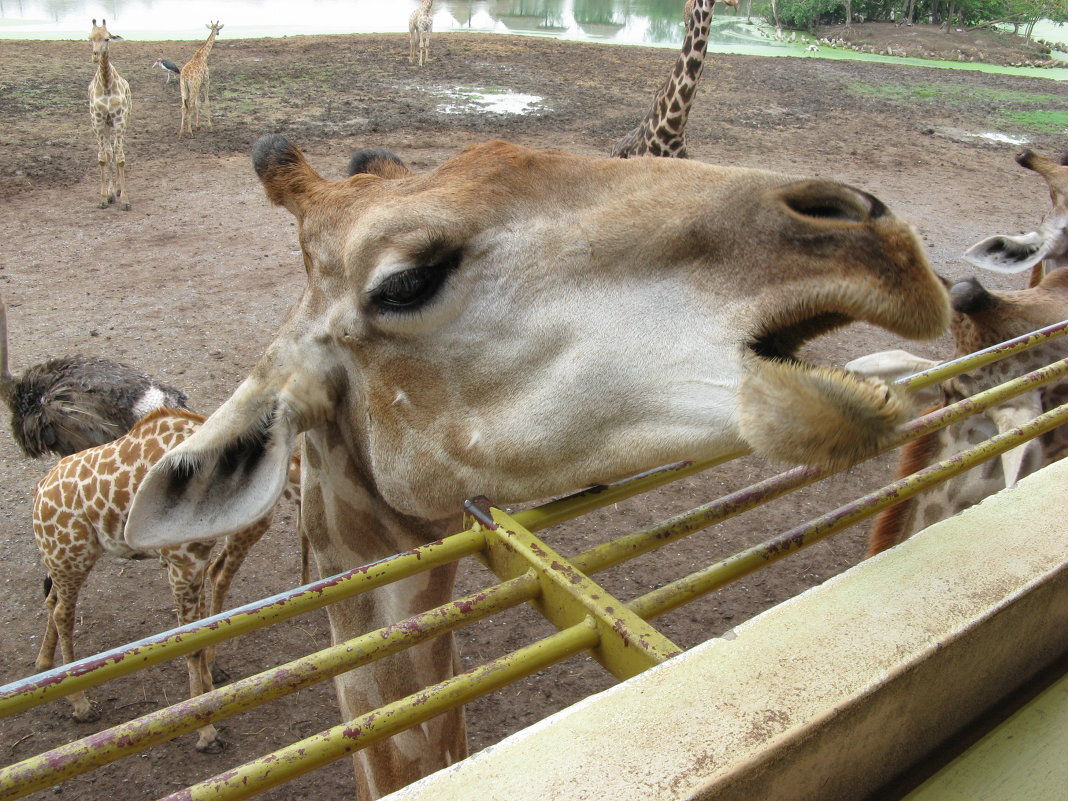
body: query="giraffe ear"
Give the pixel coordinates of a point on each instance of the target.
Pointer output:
(1009, 254)
(232, 470)
(222, 479)
(892, 365)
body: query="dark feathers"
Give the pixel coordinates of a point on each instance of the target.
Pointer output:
(69, 404)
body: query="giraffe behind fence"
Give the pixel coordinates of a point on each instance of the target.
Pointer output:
(109, 107)
(79, 514)
(519, 323)
(981, 319)
(195, 83)
(420, 23)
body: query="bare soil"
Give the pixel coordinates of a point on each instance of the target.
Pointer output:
(191, 284)
(978, 45)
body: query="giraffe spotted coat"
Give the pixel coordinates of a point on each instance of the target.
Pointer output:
(109, 107)
(79, 514)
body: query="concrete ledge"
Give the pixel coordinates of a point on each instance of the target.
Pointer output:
(824, 697)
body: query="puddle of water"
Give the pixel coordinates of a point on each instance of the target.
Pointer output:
(1001, 138)
(463, 101)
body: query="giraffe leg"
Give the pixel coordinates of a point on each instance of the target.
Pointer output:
(221, 574)
(186, 566)
(102, 159)
(413, 39)
(61, 603)
(185, 106)
(120, 167)
(46, 657)
(424, 47)
(207, 100)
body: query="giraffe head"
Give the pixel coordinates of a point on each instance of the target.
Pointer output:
(1013, 254)
(214, 27)
(100, 36)
(519, 323)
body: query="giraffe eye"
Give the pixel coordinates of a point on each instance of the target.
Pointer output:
(411, 289)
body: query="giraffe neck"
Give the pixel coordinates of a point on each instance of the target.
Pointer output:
(338, 497)
(662, 131)
(205, 48)
(681, 85)
(103, 71)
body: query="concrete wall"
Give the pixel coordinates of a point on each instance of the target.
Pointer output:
(825, 696)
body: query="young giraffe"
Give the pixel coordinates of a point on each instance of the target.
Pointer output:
(195, 83)
(109, 107)
(982, 319)
(662, 132)
(519, 323)
(79, 514)
(420, 24)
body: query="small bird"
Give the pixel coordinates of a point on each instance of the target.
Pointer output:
(172, 69)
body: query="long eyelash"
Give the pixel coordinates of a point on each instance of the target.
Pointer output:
(392, 294)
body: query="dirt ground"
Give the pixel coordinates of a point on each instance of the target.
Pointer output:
(191, 284)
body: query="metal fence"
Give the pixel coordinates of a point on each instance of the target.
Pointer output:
(588, 619)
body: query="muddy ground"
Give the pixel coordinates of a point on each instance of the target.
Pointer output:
(191, 284)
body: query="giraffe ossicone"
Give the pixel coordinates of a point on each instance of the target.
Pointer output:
(519, 323)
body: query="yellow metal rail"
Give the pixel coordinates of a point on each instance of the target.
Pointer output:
(589, 619)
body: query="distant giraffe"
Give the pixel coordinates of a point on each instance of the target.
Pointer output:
(420, 24)
(195, 83)
(662, 131)
(109, 106)
(79, 513)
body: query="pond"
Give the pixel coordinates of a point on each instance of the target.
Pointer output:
(634, 22)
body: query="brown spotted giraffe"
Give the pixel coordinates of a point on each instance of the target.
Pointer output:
(519, 323)
(79, 514)
(982, 319)
(420, 24)
(109, 107)
(662, 132)
(195, 83)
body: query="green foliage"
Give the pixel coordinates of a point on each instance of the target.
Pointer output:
(806, 14)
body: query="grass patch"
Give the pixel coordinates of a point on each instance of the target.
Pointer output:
(1044, 121)
(1031, 111)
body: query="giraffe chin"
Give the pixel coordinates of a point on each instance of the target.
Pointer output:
(823, 416)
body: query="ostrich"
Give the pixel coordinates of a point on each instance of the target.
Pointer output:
(173, 70)
(66, 405)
